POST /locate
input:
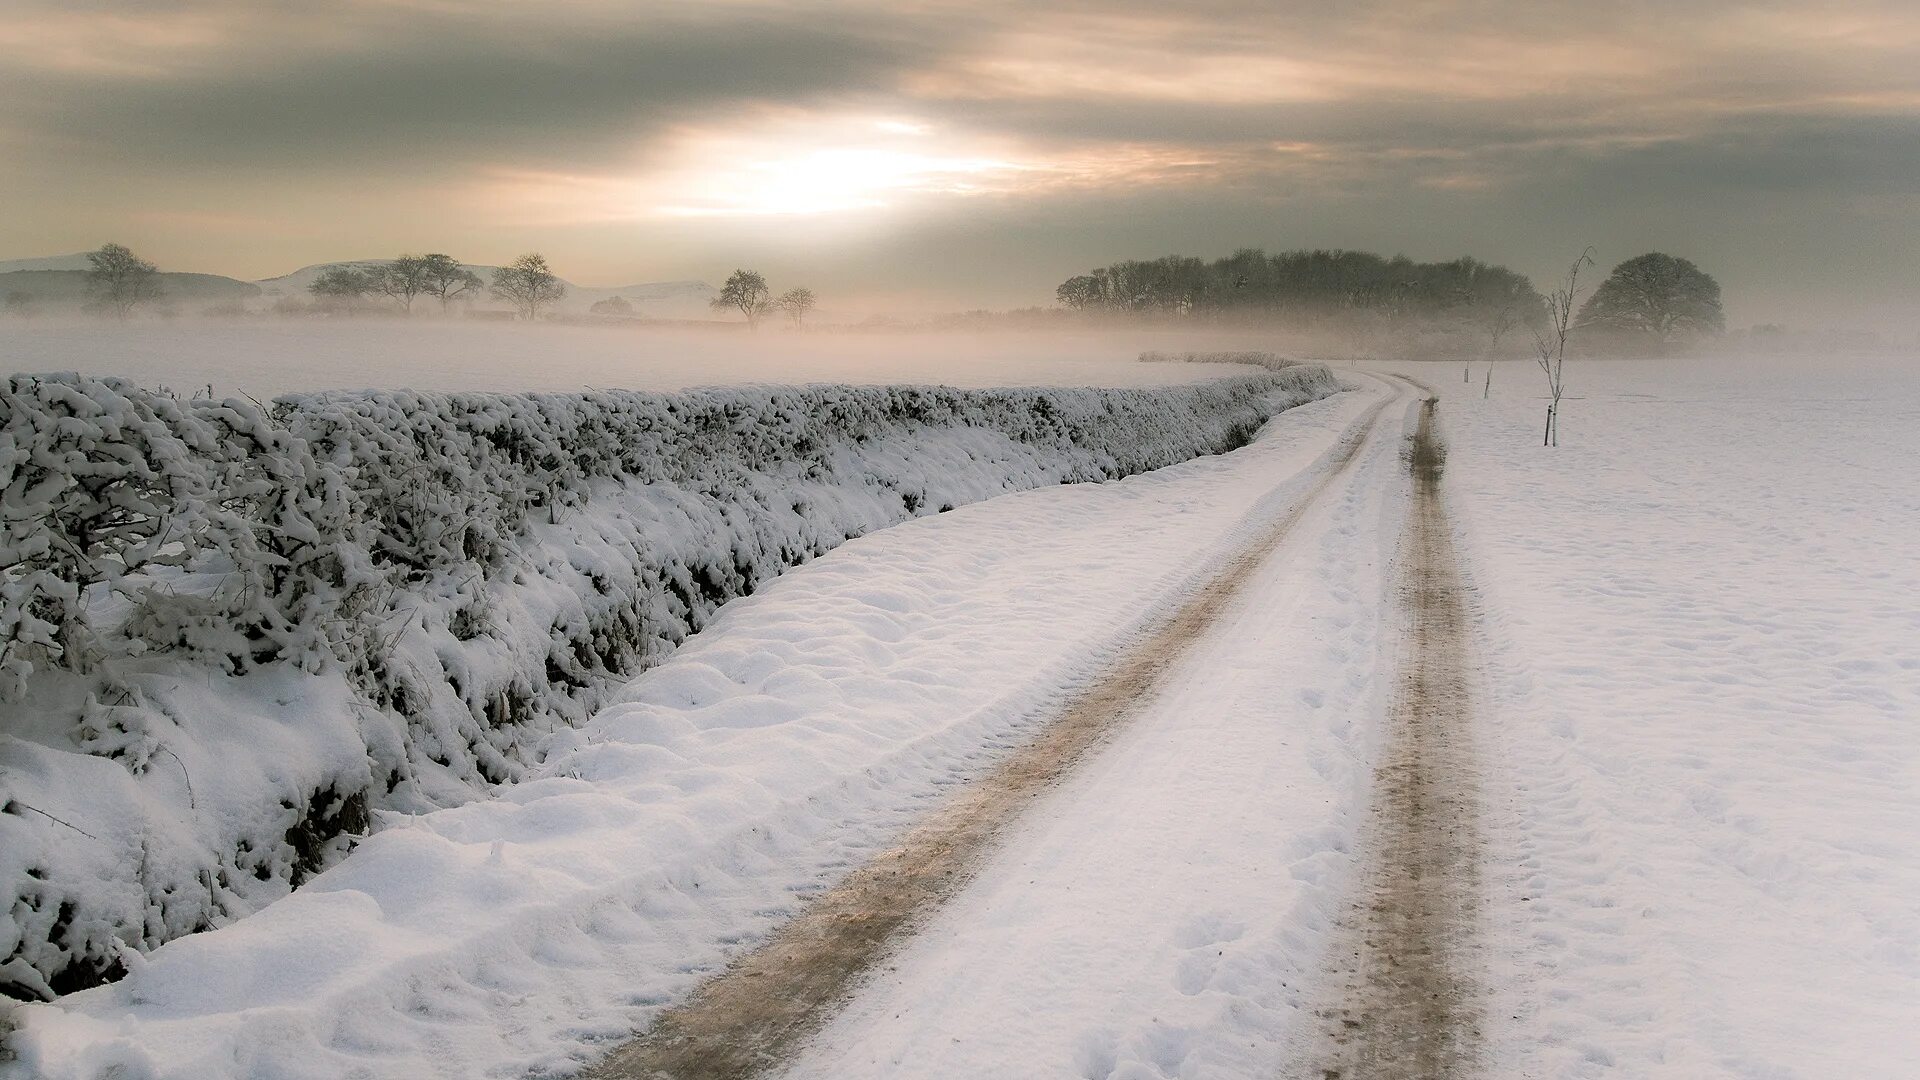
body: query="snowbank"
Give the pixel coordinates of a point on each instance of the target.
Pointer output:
(792, 738)
(234, 633)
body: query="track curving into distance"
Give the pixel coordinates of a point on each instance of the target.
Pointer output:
(747, 1020)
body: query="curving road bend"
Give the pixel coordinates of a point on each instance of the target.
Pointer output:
(1073, 912)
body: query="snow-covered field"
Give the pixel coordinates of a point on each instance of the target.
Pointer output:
(1698, 709)
(1702, 621)
(269, 357)
(1700, 730)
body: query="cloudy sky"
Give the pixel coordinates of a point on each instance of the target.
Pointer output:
(939, 155)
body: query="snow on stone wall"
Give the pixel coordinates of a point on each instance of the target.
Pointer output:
(233, 635)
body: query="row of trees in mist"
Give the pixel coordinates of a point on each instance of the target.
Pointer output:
(747, 292)
(528, 283)
(401, 281)
(1300, 286)
(119, 283)
(532, 287)
(1368, 299)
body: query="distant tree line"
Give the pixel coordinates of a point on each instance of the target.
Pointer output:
(1652, 301)
(402, 281)
(1306, 288)
(119, 282)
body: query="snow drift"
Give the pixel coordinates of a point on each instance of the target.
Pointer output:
(231, 633)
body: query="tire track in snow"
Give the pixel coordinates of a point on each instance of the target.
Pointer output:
(1407, 1005)
(747, 1020)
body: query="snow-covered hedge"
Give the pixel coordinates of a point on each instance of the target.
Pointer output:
(232, 634)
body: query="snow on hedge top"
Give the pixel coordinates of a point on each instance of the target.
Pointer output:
(233, 631)
(503, 937)
(306, 505)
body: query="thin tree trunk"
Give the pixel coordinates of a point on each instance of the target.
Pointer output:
(1488, 388)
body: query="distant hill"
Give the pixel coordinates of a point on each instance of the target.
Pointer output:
(654, 299)
(59, 281)
(297, 283)
(76, 261)
(68, 288)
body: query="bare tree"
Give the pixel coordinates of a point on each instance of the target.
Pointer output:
(1551, 343)
(342, 288)
(529, 283)
(746, 292)
(797, 303)
(448, 280)
(1086, 291)
(121, 280)
(1497, 324)
(403, 279)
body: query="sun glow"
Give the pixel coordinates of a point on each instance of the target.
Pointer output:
(821, 168)
(834, 169)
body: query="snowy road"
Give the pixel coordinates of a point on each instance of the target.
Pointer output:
(1409, 961)
(1166, 908)
(805, 732)
(1190, 668)
(1693, 690)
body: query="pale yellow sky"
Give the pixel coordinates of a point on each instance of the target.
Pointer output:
(973, 154)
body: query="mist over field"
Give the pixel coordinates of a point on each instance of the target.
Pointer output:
(271, 358)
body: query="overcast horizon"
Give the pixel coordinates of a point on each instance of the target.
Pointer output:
(934, 155)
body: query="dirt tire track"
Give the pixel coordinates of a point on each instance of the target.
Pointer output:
(747, 1020)
(1408, 1004)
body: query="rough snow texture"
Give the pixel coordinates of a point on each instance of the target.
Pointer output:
(1703, 741)
(1166, 911)
(785, 743)
(234, 633)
